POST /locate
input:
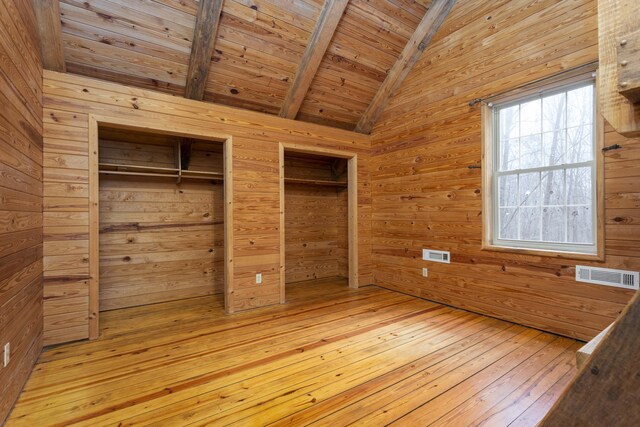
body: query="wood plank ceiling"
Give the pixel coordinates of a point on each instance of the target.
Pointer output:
(258, 48)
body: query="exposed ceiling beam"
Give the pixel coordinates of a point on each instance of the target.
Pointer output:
(618, 21)
(204, 37)
(50, 33)
(431, 22)
(326, 25)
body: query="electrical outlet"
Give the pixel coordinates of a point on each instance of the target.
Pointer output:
(425, 272)
(259, 278)
(7, 354)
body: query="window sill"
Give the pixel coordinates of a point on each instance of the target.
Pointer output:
(539, 252)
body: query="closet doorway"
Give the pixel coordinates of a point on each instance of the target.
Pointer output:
(318, 215)
(159, 217)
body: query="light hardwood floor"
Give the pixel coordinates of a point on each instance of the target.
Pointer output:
(330, 356)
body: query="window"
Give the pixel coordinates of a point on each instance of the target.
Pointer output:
(543, 174)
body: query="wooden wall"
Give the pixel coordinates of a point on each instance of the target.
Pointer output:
(316, 221)
(159, 240)
(20, 197)
(68, 102)
(425, 196)
(316, 226)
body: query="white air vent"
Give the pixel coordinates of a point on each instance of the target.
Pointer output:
(437, 256)
(608, 277)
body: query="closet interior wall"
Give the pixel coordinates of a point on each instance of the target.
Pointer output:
(316, 218)
(160, 239)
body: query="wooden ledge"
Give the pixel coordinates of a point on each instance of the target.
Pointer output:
(587, 350)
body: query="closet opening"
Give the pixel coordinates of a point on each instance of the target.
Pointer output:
(318, 200)
(161, 218)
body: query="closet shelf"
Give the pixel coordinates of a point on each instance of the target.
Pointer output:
(127, 173)
(326, 183)
(137, 170)
(202, 175)
(115, 167)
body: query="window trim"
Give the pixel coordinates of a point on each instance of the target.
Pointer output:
(488, 184)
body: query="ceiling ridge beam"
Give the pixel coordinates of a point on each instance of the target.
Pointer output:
(50, 34)
(204, 37)
(326, 25)
(427, 28)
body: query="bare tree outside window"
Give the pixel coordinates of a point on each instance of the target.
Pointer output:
(546, 169)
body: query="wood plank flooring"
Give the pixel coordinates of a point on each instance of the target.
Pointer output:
(330, 356)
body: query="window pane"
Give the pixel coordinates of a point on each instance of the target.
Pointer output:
(509, 154)
(554, 112)
(580, 144)
(530, 151)
(548, 201)
(508, 225)
(552, 187)
(580, 106)
(579, 189)
(531, 117)
(509, 122)
(530, 223)
(529, 191)
(580, 225)
(553, 146)
(553, 218)
(508, 190)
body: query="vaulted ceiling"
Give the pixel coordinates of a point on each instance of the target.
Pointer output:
(316, 61)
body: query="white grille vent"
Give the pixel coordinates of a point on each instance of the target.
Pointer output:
(608, 277)
(436, 256)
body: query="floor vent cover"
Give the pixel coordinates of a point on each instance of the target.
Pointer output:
(608, 277)
(437, 256)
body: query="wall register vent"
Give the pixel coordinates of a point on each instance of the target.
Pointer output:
(608, 277)
(437, 256)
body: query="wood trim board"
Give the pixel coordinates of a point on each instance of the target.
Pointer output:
(228, 226)
(281, 267)
(94, 230)
(352, 189)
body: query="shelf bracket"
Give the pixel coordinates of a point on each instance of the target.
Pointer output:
(185, 152)
(338, 168)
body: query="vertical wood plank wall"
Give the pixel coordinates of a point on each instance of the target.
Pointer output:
(425, 196)
(21, 218)
(68, 102)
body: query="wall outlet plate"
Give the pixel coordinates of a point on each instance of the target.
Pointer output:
(7, 354)
(259, 278)
(425, 272)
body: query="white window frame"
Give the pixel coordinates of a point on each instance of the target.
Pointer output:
(491, 240)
